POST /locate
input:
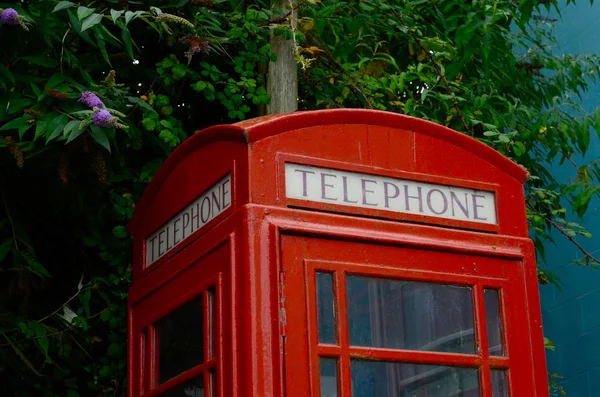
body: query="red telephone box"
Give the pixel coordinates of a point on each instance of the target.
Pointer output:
(337, 253)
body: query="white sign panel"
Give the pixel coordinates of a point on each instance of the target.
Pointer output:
(202, 210)
(323, 185)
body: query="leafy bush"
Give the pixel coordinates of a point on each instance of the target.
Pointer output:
(95, 95)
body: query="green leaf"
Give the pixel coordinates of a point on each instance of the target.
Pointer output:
(41, 61)
(14, 124)
(503, 138)
(128, 41)
(76, 24)
(102, 45)
(115, 15)
(68, 130)
(35, 266)
(149, 124)
(24, 129)
(22, 356)
(141, 103)
(17, 105)
(55, 80)
(55, 127)
(63, 5)
(120, 231)
(83, 12)
(90, 21)
(99, 135)
(44, 344)
(36, 91)
(42, 125)
(4, 70)
(130, 16)
(166, 124)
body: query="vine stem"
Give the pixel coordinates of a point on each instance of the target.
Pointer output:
(57, 310)
(569, 237)
(62, 49)
(438, 71)
(289, 13)
(53, 333)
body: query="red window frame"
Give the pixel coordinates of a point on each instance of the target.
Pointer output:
(195, 282)
(304, 257)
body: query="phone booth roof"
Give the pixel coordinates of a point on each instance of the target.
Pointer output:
(369, 142)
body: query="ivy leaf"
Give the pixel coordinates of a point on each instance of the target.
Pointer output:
(120, 231)
(90, 21)
(115, 15)
(63, 5)
(100, 137)
(83, 12)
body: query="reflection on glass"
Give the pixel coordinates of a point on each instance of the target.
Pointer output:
(499, 383)
(493, 320)
(326, 308)
(390, 379)
(179, 336)
(213, 383)
(192, 388)
(329, 377)
(211, 321)
(410, 315)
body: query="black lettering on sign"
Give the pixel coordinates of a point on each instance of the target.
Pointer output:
(186, 222)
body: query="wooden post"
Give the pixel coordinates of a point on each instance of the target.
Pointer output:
(282, 80)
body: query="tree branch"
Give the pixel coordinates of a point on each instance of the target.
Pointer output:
(569, 237)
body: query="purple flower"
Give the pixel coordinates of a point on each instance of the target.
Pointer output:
(103, 118)
(10, 17)
(91, 100)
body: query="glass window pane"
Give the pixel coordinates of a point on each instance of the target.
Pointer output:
(326, 308)
(329, 377)
(390, 379)
(410, 315)
(213, 383)
(499, 383)
(192, 388)
(211, 322)
(493, 320)
(179, 336)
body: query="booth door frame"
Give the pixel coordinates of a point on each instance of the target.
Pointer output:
(302, 258)
(205, 274)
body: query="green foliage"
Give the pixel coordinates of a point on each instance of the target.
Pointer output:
(166, 68)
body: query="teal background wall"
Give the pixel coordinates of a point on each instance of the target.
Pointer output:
(571, 317)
